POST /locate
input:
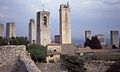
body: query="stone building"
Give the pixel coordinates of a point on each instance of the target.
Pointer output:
(43, 28)
(10, 30)
(114, 38)
(101, 39)
(1, 30)
(53, 53)
(88, 34)
(65, 23)
(32, 31)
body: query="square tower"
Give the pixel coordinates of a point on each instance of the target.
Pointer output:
(43, 28)
(10, 30)
(115, 38)
(1, 30)
(32, 31)
(65, 24)
(101, 39)
(88, 34)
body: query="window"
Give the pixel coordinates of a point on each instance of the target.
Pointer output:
(45, 20)
(55, 50)
(65, 6)
(51, 55)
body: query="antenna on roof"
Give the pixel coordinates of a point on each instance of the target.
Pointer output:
(49, 9)
(43, 7)
(67, 3)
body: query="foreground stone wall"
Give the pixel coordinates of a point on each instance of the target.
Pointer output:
(51, 67)
(98, 66)
(12, 56)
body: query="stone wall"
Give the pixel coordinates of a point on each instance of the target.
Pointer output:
(98, 66)
(12, 56)
(51, 67)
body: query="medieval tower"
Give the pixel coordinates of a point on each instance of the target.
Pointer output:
(32, 31)
(114, 36)
(43, 28)
(10, 30)
(1, 30)
(65, 24)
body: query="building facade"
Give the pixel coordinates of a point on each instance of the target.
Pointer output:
(43, 28)
(10, 30)
(101, 39)
(32, 31)
(88, 34)
(1, 30)
(65, 24)
(114, 38)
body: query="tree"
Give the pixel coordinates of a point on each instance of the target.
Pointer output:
(114, 46)
(94, 43)
(74, 64)
(37, 52)
(3, 41)
(18, 41)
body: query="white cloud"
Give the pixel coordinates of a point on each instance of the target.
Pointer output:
(3, 10)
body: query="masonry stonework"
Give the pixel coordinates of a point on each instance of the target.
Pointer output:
(32, 31)
(1, 30)
(43, 28)
(65, 24)
(10, 30)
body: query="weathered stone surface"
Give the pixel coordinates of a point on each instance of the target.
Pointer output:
(51, 67)
(16, 59)
(65, 24)
(98, 66)
(43, 28)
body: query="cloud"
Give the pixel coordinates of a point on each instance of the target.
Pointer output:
(3, 10)
(2, 15)
(112, 2)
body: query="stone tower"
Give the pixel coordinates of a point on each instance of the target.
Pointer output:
(65, 24)
(114, 38)
(32, 31)
(10, 30)
(101, 39)
(1, 30)
(88, 34)
(43, 28)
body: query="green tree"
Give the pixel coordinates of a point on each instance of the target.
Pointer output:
(74, 64)
(3, 41)
(19, 41)
(114, 46)
(37, 52)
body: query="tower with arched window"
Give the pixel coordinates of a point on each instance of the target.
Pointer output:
(43, 28)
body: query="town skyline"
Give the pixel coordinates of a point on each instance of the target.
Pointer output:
(103, 22)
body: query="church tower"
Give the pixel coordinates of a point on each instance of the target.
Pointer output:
(43, 28)
(65, 24)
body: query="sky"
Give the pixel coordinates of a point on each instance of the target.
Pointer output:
(99, 16)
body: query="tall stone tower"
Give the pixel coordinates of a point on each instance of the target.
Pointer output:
(65, 24)
(32, 31)
(101, 39)
(10, 30)
(88, 34)
(115, 38)
(43, 28)
(1, 30)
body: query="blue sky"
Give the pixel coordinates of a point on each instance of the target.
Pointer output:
(99, 16)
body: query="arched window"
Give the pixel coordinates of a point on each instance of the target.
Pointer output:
(45, 20)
